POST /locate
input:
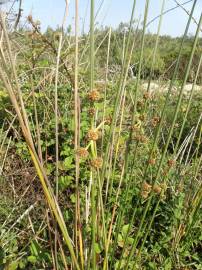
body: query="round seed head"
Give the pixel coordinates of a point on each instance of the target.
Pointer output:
(93, 135)
(108, 120)
(157, 189)
(146, 187)
(142, 117)
(143, 139)
(30, 18)
(171, 163)
(140, 104)
(137, 138)
(92, 111)
(135, 127)
(146, 96)
(94, 95)
(155, 121)
(152, 161)
(82, 152)
(97, 163)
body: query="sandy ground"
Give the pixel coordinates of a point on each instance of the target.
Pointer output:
(160, 87)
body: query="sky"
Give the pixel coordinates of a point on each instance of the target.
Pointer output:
(50, 13)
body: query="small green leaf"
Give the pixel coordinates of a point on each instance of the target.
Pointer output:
(73, 198)
(68, 163)
(125, 229)
(120, 240)
(98, 249)
(152, 266)
(32, 259)
(130, 240)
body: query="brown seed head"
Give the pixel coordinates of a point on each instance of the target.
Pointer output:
(157, 189)
(97, 163)
(171, 163)
(82, 152)
(165, 172)
(155, 121)
(140, 104)
(164, 186)
(135, 128)
(144, 194)
(143, 139)
(138, 138)
(146, 187)
(94, 95)
(142, 117)
(108, 120)
(146, 96)
(180, 187)
(30, 18)
(93, 135)
(91, 111)
(152, 161)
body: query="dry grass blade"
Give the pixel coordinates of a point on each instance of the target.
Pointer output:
(21, 114)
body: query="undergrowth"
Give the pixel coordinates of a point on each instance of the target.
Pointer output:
(97, 171)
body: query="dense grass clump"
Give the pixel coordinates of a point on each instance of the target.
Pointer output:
(100, 147)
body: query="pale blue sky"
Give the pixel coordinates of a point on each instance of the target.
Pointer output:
(50, 12)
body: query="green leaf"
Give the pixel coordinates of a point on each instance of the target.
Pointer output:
(65, 181)
(32, 259)
(49, 168)
(120, 240)
(22, 264)
(168, 264)
(35, 248)
(73, 198)
(123, 262)
(13, 266)
(68, 163)
(125, 229)
(152, 266)
(66, 152)
(98, 249)
(130, 240)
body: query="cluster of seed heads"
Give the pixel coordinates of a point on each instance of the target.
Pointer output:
(93, 96)
(147, 188)
(93, 134)
(141, 138)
